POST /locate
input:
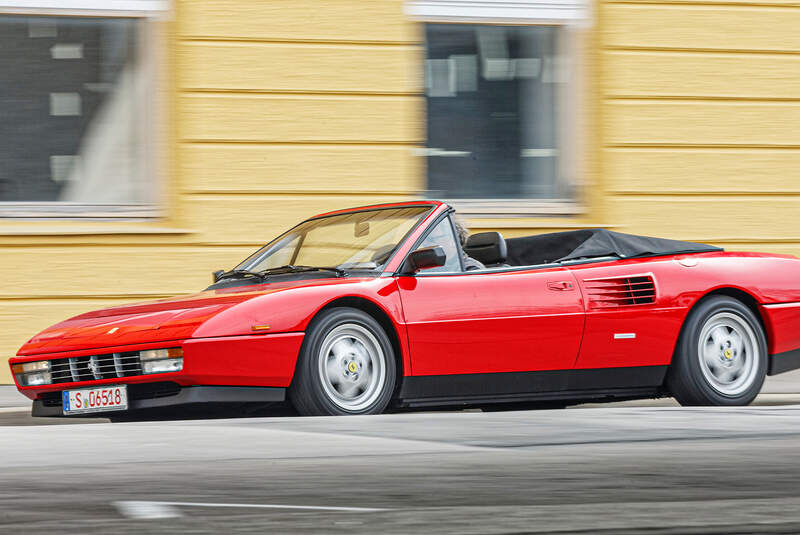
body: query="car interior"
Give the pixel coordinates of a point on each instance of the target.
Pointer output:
(568, 247)
(572, 246)
(493, 251)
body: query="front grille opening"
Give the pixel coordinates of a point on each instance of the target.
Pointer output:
(94, 367)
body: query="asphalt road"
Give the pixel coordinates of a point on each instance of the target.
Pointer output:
(616, 469)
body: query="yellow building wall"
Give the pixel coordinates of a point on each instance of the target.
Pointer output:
(274, 111)
(700, 107)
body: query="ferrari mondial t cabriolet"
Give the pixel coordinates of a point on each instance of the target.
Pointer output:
(360, 310)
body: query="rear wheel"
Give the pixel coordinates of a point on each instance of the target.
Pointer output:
(346, 366)
(721, 358)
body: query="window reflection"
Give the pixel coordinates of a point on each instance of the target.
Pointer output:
(493, 95)
(73, 99)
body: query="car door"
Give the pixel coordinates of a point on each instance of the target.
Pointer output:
(489, 321)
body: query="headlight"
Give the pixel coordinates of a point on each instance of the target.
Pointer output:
(161, 360)
(32, 373)
(160, 354)
(35, 379)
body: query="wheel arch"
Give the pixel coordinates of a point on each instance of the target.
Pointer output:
(740, 295)
(681, 382)
(378, 314)
(746, 299)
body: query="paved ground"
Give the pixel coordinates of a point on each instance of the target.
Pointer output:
(615, 469)
(635, 467)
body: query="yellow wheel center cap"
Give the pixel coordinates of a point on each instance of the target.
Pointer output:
(728, 354)
(353, 367)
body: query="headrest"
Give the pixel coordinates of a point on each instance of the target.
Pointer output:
(487, 248)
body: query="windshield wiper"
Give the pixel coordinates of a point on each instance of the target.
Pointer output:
(289, 268)
(242, 273)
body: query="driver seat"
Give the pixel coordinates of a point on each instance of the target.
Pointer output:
(488, 248)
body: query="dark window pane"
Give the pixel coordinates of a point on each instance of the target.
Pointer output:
(70, 101)
(492, 95)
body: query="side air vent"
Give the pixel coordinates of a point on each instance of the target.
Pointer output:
(621, 291)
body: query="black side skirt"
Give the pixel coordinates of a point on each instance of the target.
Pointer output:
(459, 389)
(784, 362)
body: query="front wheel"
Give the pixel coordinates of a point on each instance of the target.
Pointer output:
(721, 358)
(346, 366)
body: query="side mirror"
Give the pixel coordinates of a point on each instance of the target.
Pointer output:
(217, 274)
(429, 257)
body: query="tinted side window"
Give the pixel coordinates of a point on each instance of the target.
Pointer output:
(442, 235)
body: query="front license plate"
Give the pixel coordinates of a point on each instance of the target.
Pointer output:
(108, 398)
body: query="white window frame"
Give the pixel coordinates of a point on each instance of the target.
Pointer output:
(94, 8)
(501, 11)
(573, 15)
(149, 41)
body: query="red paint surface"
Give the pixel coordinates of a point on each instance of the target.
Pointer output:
(782, 324)
(481, 323)
(766, 278)
(523, 320)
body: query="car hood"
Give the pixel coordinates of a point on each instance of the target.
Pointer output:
(175, 318)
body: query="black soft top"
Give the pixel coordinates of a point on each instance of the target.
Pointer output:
(592, 243)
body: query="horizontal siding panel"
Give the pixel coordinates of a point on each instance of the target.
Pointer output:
(684, 74)
(63, 232)
(115, 270)
(702, 123)
(703, 27)
(791, 248)
(517, 227)
(257, 219)
(332, 20)
(708, 218)
(743, 3)
(319, 119)
(286, 67)
(702, 170)
(331, 168)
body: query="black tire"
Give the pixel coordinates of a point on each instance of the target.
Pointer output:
(312, 394)
(698, 377)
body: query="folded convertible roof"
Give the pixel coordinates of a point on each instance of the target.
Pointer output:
(592, 243)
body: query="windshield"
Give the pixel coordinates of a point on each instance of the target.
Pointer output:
(356, 240)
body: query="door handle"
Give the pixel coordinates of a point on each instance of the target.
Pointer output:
(560, 286)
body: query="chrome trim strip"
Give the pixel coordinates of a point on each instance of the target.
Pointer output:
(118, 364)
(783, 305)
(73, 369)
(624, 336)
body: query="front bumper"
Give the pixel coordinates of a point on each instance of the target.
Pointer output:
(147, 396)
(266, 360)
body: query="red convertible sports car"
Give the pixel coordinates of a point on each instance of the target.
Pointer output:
(394, 305)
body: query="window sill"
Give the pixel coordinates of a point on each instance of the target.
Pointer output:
(101, 230)
(485, 208)
(22, 211)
